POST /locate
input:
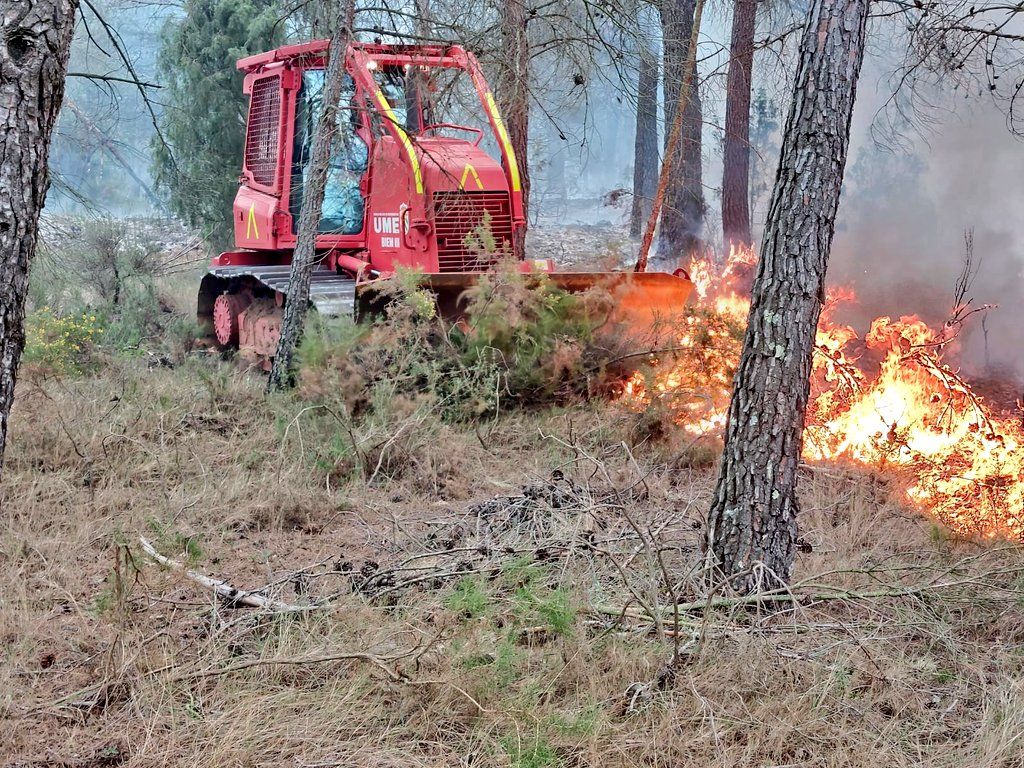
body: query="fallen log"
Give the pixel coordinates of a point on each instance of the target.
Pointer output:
(221, 588)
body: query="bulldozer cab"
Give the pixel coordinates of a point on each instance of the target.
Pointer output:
(357, 126)
(408, 137)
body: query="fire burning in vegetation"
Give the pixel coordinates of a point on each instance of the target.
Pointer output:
(891, 401)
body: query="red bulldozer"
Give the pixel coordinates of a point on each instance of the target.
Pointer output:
(422, 176)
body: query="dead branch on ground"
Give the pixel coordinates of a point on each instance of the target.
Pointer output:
(221, 588)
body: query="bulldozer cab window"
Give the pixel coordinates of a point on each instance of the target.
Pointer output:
(343, 206)
(391, 81)
(452, 109)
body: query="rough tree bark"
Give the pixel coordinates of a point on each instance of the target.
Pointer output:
(752, 524)
(645, 145)
(682, 220)
(514, 96)
(304, 257)
(736, 157)
(35, 43)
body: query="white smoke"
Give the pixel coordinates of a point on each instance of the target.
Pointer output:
(905, 211)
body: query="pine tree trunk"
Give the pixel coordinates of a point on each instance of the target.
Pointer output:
(645, 145)
(752, 524)
(682, 220)
(35, 43)
(736, 158)
(304, 257)
(514, 96)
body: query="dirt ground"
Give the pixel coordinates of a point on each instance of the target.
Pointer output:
(501, 600)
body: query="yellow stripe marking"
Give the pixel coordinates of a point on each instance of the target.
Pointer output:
(250, 225)
(469, 169)
(406, 141)
(505, 143)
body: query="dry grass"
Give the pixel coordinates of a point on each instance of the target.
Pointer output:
(493, 657)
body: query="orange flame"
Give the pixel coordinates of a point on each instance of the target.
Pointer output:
(890, 402)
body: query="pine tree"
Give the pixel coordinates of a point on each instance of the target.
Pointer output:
(33, 66)
(204, 118)
(682, 218)
(304, 258)
(752, 525)
(736, 160)
(645, 143)
(513, 94)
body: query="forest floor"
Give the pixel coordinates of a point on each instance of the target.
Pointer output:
(493, 594)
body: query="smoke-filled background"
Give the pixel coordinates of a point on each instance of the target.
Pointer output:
(918, 180)
(909, 210)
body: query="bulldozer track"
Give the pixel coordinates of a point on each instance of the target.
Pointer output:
(331, 293)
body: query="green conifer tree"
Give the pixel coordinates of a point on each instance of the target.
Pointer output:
(204, 115)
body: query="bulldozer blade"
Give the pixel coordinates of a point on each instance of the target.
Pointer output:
(641, 300)
(637, 301)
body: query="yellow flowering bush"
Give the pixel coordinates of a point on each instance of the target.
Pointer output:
(61, 344)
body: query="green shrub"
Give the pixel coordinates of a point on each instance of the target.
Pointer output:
(508, 663)
(552, 608)
(392, 368)
(522, 572)
(61, 344)
(143, 320)
(526, 342)
(384, 392)
(542, 337)
(576, 724)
